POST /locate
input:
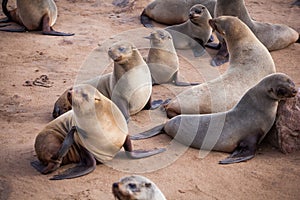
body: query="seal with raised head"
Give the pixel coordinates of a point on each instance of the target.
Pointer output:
(33, 15)
(94, 130)
(237, 131)
(136, 187)
(129, 86)
(193, 32)
(172, 12)
(250, 61)
(273, 36)
(163, 60)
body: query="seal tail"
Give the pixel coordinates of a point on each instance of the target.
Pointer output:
(147, 134)
(4, 9)
(145, 20)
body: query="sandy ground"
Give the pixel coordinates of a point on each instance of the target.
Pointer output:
(24, 111)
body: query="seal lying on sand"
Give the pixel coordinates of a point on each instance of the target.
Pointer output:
(129, 86)
(172, 12)
(273, 36)
(193, 32)
(162, 59)
(136, 187)
(238, 130)
(250, 61)
(94, 130)
(33, 15)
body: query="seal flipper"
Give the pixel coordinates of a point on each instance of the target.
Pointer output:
(86, 165)
(222, 56)
(145, 20)
(245, 151)
(152, 105)
(180, 83)
(6, 12)
(47, 30)
(147, 134)
(137, 154)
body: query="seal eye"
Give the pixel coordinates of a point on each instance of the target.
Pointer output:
(132, 186)
(122, 49)
(198, 11)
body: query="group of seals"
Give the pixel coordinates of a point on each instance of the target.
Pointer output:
(136, 187)
(129, 86)
(162, 59)
(250, 61)
(172, 12)
(95, 129)
(196, 30)
(238, 130)
(273, 36)
(33, 15)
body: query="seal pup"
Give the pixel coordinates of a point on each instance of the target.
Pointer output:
(250, 61)
(162, 59)
(136, 187)
(237, 131)
(129, 86)
(273, 36)
(172, 12)
(94, 130)
(196, 30)
(33, 15)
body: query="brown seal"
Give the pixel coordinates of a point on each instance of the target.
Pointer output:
(273, 36)
(33, 15)
(237, 131)
(163, 60)
(94, 130)
(129, 86)
(136, 187)
(193, 32)
(250, 61)
(172, 12)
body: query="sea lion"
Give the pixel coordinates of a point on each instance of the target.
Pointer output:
(172, 12)
(129, 86)
(162, 59)
(136, 187)
(238, 130)
(95, 129)
(33, 15)
(196, 30)
(273, 36)
(250, 61)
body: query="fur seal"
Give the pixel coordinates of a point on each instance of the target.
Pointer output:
(273, 36)
(33, 15)
(136, 187)
(250, 61)
(172, 12)
(195, 30)
(129, 86)
(162, 59)
(95, 129)
(237, 131)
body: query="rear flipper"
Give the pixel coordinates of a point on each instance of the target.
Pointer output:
(47, 30)
(86, 165)
(147, 134)
(137, 154)
(216, 46)
(152, 105)
(245, 151)
(145, 20)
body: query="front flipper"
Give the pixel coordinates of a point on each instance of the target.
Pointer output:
(147, 134)
(245, 151)
(17, 28)
(47, 30)
(179, 83)
(221, 57)
(86, 165)
(52, 166)
(137, 154)
(152, 105)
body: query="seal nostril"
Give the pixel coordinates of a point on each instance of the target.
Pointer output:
(115, 185)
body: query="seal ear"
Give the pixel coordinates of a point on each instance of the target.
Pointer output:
(97, 100)
(69, 95)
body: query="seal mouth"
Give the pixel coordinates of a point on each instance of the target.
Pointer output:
(117, 58)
